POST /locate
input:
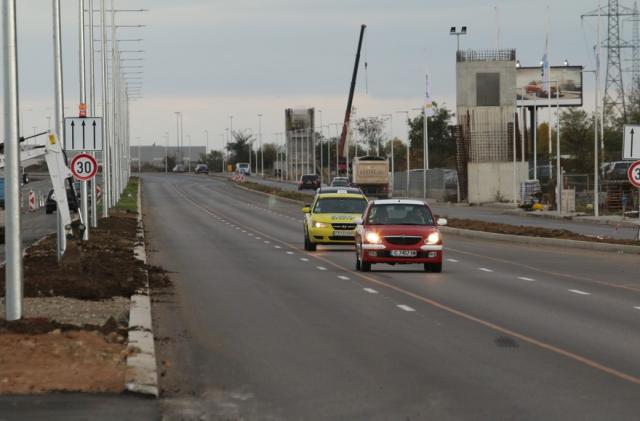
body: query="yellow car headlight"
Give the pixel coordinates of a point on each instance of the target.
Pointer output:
(372, 237)
(318, 224)
(433, 238)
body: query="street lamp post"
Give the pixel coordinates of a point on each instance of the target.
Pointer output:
(391, 148)
(453, 31)
(261, 148)
(408, 146)
(166, 153)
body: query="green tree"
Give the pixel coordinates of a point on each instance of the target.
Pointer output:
(213, 160)
(239, 148)
(442, 146)
(576, 140)
(371, 132)
(399, 154)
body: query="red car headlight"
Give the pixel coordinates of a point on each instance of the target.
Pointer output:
(433, 238)
(372, 237)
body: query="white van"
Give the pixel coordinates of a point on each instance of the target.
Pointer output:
(243, 168)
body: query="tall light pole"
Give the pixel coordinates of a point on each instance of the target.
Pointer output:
(408, 146)
(13, 246)
(178, 114)
(391, 148)
(189, 149)
(206, 147)
(261, 148)
(106, 154)
(222, 139)
(83, 103)
(58, 111)
(166, 153)
(139, 156)
(453, 31)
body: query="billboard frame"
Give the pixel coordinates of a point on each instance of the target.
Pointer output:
(540, 102)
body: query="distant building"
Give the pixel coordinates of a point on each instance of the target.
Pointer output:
(155, 154)
(486, 113)
(299, 125)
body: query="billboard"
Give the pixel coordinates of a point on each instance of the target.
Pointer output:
(532, 92)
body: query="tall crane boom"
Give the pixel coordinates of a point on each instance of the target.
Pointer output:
(342, 162)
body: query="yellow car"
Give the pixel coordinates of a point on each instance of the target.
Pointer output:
(330, 219)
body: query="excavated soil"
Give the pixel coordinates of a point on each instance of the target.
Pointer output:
(41, 355)
(62, 361)
(98, 269)
(531, 231)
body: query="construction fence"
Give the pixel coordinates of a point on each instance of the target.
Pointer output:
(441, 184)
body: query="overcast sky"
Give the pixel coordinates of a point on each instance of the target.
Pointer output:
(210, 59)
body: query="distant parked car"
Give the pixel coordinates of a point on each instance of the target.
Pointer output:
(51, 205)
(202, 169)
(616, 170)
(309, 181)
(179, 168)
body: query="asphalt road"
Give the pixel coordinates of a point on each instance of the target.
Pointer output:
(499, 216)
(260, 329)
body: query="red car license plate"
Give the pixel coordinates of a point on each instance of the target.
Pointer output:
(404, 253)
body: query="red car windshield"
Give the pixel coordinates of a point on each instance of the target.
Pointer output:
(399, 214)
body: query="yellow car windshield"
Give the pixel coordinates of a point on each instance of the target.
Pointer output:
(340, 205)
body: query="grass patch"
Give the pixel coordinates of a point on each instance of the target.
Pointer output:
(129, 199)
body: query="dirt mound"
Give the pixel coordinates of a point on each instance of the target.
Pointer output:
(37, 326)
(101, 268)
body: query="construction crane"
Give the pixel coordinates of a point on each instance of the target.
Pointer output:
(58, 171)
(342, 162)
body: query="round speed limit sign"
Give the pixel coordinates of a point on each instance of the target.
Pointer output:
(84, 166)
(634, 174)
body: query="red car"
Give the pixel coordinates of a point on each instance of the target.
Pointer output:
(399, 231)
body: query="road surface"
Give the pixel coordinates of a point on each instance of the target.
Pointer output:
(260, 329)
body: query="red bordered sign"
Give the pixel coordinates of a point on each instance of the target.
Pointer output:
(634, 174)
(84, 167)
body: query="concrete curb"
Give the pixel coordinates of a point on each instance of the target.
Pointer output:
(585, 245)
(141, 374)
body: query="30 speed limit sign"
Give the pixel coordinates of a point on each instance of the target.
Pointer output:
(634, 174)
(84, 166)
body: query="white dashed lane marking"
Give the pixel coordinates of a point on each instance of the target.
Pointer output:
(304, 259)
(344, 278)
(371, 291)
(267, 242)
(289, 252)
(637, 307)
(277, 247)
(321, 268)
(405, 307)
(452, 260)
(524, 278)
(485, 269)
(577, 291)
